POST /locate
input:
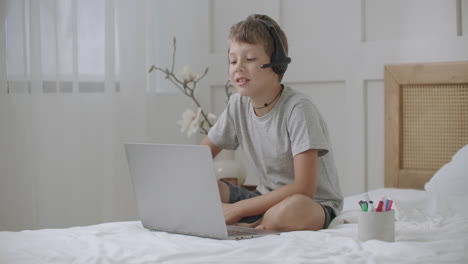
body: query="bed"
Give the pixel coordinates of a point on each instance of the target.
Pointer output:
(427, 182)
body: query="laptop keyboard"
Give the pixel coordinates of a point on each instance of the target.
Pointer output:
(244, 231)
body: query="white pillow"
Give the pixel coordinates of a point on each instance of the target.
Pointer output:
(447, 189)
(452, 178)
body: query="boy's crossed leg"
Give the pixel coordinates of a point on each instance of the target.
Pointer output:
(297, 212)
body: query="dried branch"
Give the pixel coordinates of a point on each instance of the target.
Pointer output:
(187, 87)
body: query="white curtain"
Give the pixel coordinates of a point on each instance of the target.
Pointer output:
(74, 87)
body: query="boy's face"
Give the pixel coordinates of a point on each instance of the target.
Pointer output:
(245, 72)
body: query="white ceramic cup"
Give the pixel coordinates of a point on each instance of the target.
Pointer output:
(376, 225)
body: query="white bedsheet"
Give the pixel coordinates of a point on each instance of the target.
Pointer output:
(420, 238)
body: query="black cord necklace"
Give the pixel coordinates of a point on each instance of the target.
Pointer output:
(267, 104)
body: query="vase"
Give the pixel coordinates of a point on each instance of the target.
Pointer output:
(228, 168)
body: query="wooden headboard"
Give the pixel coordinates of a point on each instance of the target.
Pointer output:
(426, 119)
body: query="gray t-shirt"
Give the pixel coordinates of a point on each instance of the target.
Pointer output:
(293, 126)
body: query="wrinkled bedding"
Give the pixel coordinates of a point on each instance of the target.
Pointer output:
(422, 236)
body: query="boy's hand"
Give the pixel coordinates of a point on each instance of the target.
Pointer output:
(232, 213)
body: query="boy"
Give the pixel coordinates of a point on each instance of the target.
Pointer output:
(281, 131)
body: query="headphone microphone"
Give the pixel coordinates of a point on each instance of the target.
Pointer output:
(283, 61)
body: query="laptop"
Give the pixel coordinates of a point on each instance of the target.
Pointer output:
(177, 192)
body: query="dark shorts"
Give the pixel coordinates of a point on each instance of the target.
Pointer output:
(239, 193)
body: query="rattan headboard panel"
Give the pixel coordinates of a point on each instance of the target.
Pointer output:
(426, 119)
(435, 124)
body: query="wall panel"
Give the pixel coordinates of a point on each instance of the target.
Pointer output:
(414, 19)
(463, 13)
(315, 31)
(225, 13)
(374, 133)
(188, 21)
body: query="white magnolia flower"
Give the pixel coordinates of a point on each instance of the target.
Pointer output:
(195, 124)
(191, 122)
(187, 75)
(187, 117)
(212, 117)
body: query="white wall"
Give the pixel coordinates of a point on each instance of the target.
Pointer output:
(338, 48)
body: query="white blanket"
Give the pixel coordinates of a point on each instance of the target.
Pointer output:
(420, 238)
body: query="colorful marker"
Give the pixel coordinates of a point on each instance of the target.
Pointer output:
(364, 206)
(390, 203)
(381, 204)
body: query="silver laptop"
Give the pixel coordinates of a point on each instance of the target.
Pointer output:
(176, 191)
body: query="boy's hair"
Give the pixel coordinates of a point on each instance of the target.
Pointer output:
(252, 31)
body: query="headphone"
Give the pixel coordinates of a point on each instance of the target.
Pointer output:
(279, 59)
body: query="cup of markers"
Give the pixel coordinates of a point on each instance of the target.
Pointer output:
(376, 221)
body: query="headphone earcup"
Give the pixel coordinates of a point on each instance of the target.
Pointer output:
(279, 59)
(280, 69)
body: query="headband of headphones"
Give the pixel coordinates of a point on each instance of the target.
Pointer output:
(279, 59)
